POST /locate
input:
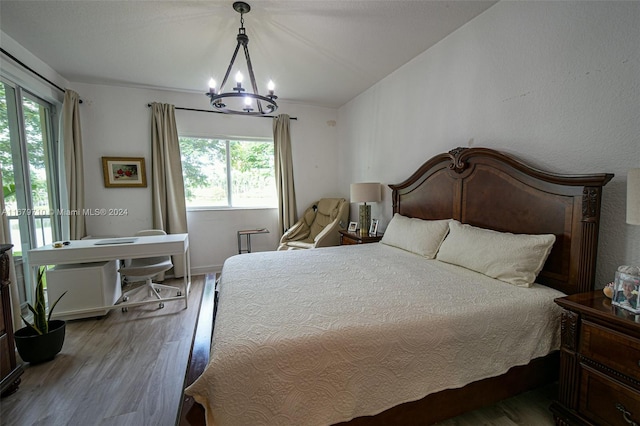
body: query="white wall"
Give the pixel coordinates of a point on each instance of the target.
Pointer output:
(555, 83)
(116, 121)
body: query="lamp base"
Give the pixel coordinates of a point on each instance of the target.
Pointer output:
(365, 218)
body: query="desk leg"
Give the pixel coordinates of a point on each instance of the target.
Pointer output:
(187, 277)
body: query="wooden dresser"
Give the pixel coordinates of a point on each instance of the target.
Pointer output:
(599, 363)
(11, 372)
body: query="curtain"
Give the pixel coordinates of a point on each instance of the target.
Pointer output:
(284, 173)
(168, 202)
(73, 164)
(5, 238)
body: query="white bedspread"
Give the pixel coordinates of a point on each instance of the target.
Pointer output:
(316, 337)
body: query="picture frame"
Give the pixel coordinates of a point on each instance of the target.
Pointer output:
(353, 227)
(626, 291)
(373, 229)
(124, 172)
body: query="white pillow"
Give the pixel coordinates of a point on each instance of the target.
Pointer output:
(513, 258)
(418, 236)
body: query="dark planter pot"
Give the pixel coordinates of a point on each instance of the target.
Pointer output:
(36, 348)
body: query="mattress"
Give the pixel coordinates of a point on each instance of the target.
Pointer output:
(316, 337)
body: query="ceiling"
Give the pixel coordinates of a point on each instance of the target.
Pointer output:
(317, 52)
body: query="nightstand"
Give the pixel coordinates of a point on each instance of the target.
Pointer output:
(599, 363)
(347, 238)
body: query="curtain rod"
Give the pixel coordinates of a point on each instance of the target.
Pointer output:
(28, 68)
(218, 112)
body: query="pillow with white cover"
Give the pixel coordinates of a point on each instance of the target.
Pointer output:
(422, 237)
(513, 258)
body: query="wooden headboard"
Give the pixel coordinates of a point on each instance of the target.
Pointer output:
(489, 189)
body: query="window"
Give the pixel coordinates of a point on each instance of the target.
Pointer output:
(228, 173)
(29, 183)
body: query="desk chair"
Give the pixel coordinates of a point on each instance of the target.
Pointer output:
(146, 269)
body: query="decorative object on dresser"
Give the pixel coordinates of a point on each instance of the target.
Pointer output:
(42, 339)
(365, 193)
(627, 285)
(599, 358)
(9, 367)
(349, 238)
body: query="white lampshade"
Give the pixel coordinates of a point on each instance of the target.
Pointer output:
(365, 192)
(633, 197)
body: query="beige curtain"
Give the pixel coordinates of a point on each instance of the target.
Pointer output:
(73, 164)
(169, 208)
(5, 238)
(284, 173)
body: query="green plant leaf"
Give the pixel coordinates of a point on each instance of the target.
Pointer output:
(54, 305)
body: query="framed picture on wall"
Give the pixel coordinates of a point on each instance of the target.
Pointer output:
(125, 172)
(373, 229)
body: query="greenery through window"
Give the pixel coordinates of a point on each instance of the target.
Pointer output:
(29, 174)
(228, 173)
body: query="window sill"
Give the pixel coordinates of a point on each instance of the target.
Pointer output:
(226, 209)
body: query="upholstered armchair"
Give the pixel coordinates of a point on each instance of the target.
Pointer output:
(318, 226)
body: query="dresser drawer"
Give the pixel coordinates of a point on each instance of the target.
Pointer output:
(615, 350)
(5, 356)
(607, 402)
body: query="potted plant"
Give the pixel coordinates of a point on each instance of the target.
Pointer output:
(42, 339)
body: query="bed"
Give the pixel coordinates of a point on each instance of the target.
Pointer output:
(400, 332)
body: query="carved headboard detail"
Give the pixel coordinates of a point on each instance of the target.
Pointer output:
(493, 190)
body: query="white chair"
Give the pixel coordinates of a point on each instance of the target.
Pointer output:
(146, 269)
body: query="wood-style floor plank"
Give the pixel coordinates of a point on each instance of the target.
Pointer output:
(123, 369)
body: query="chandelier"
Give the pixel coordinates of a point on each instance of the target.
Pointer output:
(239, 100)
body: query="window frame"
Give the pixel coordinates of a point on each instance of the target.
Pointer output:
(22, 175)
(227, 140)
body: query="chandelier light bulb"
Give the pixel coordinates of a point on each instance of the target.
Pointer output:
(239, 77)
(271, 86)
(247, 104)
(212, 86)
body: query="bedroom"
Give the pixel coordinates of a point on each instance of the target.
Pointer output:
(554, 83)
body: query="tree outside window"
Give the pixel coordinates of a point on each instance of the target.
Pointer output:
(228, 173)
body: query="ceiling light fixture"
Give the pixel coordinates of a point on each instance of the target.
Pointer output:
(239, 100)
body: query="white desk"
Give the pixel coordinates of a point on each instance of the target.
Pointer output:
(86, 251)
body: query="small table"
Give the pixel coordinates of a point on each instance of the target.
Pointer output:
(347, 238)
(248, 233)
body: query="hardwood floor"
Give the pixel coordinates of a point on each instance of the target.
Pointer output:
(528, 409)
(123, 369)
(129, 369)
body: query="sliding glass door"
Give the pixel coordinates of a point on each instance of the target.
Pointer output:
(29, 175)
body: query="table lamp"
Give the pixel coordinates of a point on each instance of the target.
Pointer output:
(365, 193)
(627, 281)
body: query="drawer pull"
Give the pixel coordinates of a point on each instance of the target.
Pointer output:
(625, 414)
